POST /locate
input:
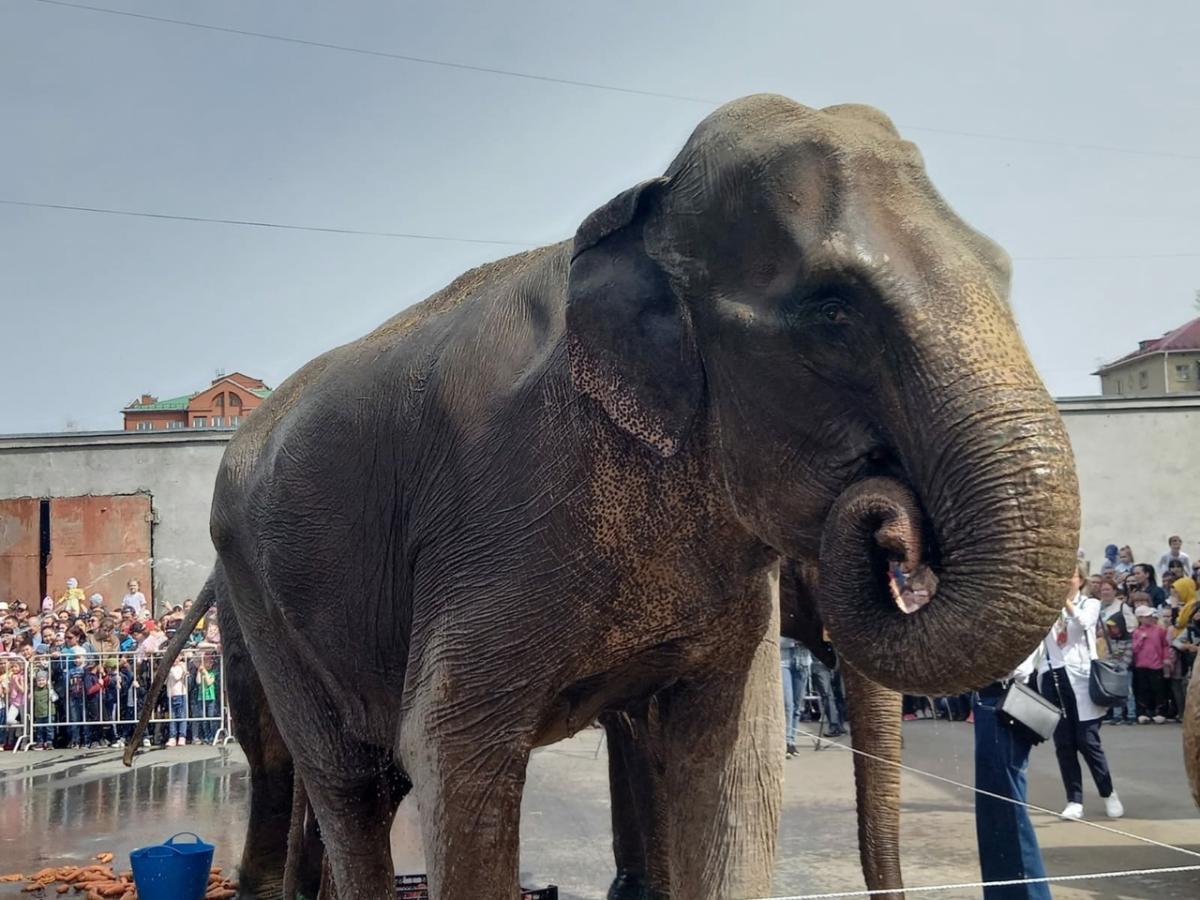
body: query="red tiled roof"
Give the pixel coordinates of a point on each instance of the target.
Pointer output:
(1185, 337)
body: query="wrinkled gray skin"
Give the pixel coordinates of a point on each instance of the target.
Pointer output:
(875, 727)
(558, 487)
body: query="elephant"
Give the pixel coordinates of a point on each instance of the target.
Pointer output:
(875, 727)
(559, 487)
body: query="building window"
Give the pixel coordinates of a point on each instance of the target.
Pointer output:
(234, 399)
(219, 400)
(234, 421)
(1183, 373)
(218, 421)
(1143, 379)
(145, 426)
(175, 424)
(199, 422)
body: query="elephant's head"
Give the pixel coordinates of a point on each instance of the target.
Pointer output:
(795, 298)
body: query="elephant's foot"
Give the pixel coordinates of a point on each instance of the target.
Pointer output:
(628, 886)
(259, 888)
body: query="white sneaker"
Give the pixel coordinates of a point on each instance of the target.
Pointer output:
(1142, 720)
(170, 742)
(145, 742)
(1073, 811)
(1112, 806)
(1158, 720)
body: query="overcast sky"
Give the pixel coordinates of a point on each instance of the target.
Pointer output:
(103, 110)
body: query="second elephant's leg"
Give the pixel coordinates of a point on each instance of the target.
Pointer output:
(875, 728)
(635, 783)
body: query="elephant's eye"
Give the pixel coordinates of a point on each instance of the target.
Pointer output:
(834, 312)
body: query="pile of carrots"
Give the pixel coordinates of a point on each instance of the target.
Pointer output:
(100, 882)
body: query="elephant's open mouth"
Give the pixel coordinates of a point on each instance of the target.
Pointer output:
(880, 518)
(923, 584)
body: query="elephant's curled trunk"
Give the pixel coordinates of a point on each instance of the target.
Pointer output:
(988, 503)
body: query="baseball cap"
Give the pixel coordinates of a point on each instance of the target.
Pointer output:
(137, 628)
(95, 599)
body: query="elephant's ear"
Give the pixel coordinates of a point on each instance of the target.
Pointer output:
(629, 338)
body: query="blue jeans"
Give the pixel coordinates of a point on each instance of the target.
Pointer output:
(42, 732)
(1008, 847)
(795, 688)
(75, 717)
(202, 730)
(178, 727)
(828, 689)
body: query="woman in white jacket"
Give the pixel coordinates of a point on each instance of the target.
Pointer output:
(1065, 670)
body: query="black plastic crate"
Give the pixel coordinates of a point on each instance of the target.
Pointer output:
(416, 887)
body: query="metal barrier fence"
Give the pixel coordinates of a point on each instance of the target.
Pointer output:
(89, 699)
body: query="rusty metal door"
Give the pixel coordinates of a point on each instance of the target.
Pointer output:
(20, 550)
(102, 542)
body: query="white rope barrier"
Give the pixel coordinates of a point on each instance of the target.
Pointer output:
(971, 787)
(976, 885)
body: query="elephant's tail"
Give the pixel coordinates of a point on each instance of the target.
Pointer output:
(204, 601)
(291, 868)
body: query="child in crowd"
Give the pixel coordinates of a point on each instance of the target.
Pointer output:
(177, 685)
(1150, 649)
(44, 698)
(94, 682)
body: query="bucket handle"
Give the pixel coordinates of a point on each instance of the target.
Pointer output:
(159, 851)
(169, 842)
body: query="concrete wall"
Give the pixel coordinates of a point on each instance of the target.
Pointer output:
(1136, 460)
(176, 468)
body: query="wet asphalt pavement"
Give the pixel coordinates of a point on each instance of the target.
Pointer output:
(61, 807)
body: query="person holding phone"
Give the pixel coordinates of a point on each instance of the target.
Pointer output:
(1065, 672)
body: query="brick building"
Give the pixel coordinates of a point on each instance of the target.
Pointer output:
(223, 404)
(1166, 365)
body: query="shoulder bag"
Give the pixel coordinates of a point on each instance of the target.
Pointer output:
(1029, 713)
(1026, 711)
(1109, 680)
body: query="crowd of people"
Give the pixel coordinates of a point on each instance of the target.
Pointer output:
(78, 669)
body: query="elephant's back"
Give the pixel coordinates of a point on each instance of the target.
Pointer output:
(515, 300)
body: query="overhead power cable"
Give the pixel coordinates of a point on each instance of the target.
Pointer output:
(250, 223)
(592, 85)
(423, 236)
(364, 51)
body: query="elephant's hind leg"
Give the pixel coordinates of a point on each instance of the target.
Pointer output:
(264, 853)
(355, 804)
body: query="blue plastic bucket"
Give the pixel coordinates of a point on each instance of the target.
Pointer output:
(171, 871)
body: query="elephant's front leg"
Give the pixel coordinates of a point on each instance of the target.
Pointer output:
(875, 723)
(468, 780)
(724, 777)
